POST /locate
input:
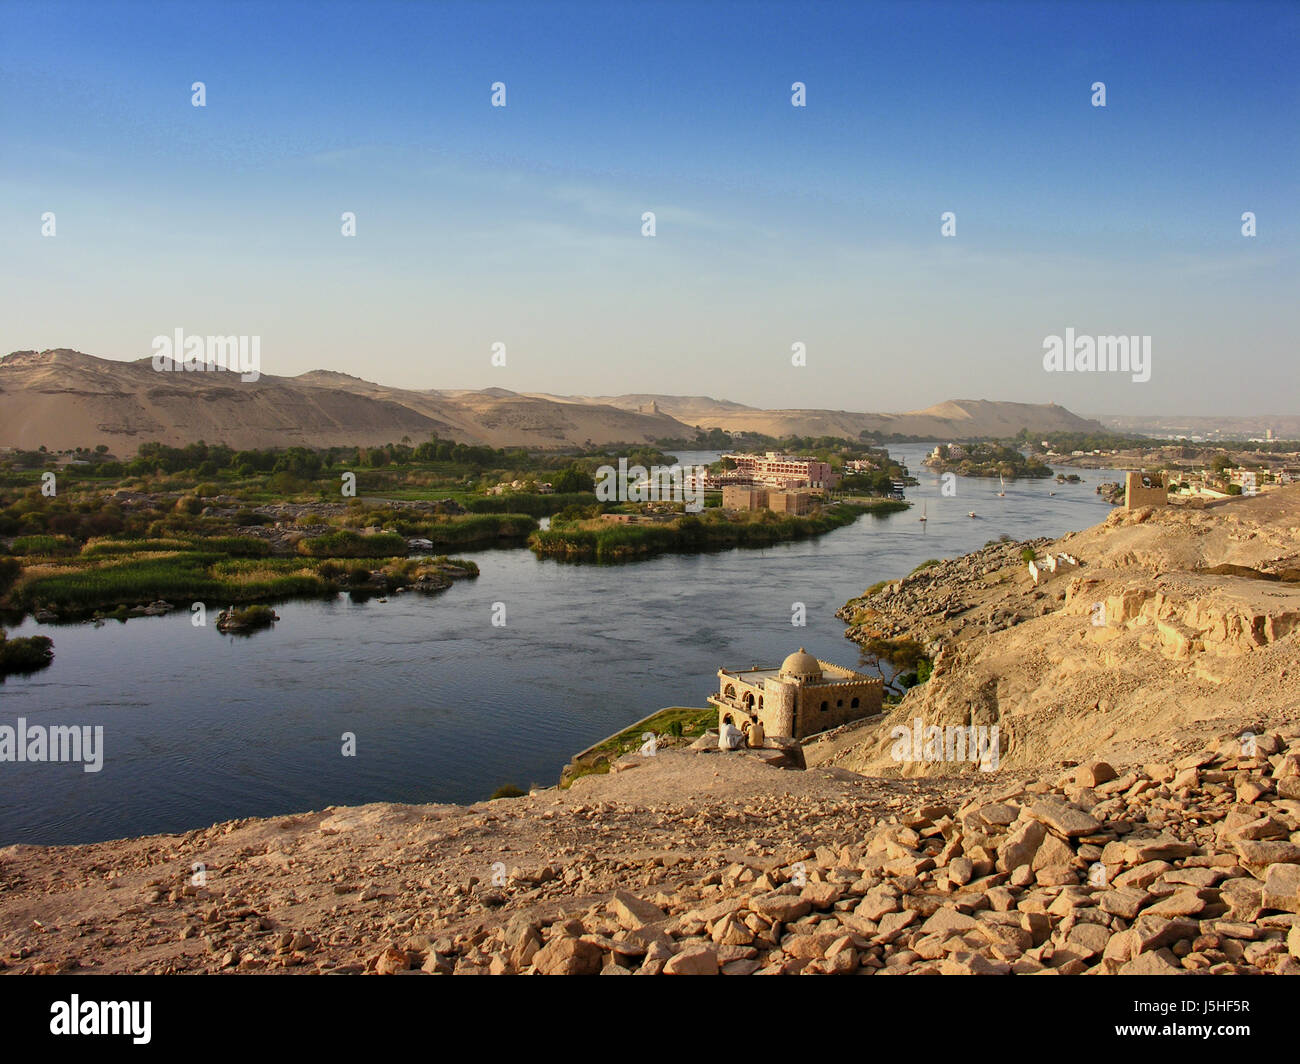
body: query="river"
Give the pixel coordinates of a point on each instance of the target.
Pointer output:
(445, 706)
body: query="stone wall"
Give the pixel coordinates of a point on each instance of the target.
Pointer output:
(1138, 495)
(838, 700)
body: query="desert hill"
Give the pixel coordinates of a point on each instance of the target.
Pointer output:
(1176, 621)
(954, 419)
(63, 399)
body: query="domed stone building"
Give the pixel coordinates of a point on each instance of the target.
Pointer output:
(801, 697)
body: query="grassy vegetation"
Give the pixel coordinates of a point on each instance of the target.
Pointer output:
(345, 544)
(477, 530)
(532, 504)
(683, 721)
(686, 722)
(715, 530)
(234, 546)
(925, 565)
(31, 546)
(102, 577)
(186, 576)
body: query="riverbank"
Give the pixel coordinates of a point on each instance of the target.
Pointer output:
(671, 726)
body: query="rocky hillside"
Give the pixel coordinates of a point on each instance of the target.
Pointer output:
(1172, 622)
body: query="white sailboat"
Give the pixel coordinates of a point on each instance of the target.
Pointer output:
(1002, 490)
(924, 508)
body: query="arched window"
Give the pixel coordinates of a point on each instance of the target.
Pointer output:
(853, 704)
(825, 706)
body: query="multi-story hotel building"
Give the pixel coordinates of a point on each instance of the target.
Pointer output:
(785, 470)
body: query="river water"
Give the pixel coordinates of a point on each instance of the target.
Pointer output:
(445, 706)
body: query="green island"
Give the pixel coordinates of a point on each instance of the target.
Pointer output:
(986, 460)
(593, 539)
(207, 524)
(24, 655)
(85, 534)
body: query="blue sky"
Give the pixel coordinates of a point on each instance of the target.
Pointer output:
(775, 224)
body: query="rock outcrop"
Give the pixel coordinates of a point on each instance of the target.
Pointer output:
(1171, 625)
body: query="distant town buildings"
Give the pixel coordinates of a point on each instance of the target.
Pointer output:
(544, 488)
(1246, 479)
(799, 698)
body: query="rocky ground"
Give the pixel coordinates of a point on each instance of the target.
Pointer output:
(700, 862)
(1144, 816)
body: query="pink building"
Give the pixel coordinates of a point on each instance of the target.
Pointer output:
(785, 470)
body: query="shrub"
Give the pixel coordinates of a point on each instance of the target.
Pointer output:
(9, 570)
(24, 655)
(247, 618)
(31, 545)
(346, 544)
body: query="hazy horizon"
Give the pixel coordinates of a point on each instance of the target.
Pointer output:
(775, 224)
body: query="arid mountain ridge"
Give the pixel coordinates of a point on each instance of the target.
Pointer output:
(62, 399)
